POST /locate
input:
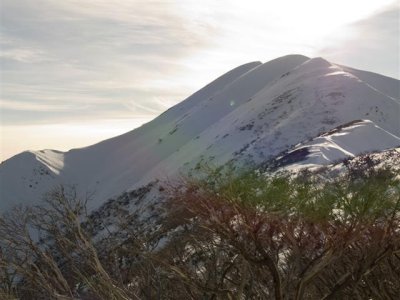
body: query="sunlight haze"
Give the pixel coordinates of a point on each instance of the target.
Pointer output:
(76, 72)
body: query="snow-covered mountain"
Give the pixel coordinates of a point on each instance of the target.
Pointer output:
(314, 111)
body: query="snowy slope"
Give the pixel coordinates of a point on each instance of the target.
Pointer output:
(314, 98)
(347, 141)
(386, 85)
(253, 112)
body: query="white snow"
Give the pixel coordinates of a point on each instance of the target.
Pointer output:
(253, 112)
(350, 141)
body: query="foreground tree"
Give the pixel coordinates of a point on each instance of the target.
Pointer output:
(285, 237)
(224, 235)
(47, 254)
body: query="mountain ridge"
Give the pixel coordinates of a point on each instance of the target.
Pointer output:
(252, 112)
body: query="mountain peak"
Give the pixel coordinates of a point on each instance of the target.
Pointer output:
(293, 57)
(252, 113)
(315, 63)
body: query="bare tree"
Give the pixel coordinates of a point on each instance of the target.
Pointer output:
(291, 237)
(46, 253)
(223, 236)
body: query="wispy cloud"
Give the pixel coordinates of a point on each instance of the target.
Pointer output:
(24, 55)
(87, 52)
(372, 43)
(37, 107)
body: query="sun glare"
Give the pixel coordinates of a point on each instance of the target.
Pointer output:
(306, 21)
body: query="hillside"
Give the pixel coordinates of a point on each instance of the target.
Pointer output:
(253, 113)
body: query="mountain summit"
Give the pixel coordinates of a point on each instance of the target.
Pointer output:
(254, 113)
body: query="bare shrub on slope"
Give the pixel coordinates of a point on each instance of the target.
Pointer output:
(287, 237)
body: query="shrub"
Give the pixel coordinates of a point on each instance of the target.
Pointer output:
(289, 237)
(46, 253)
(225, 234)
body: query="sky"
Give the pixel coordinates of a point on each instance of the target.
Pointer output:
(75, 72)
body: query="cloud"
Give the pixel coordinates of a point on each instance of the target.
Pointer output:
(96, 55)
(37, 107)
(101, 32)
(24, 55)
(371, 44)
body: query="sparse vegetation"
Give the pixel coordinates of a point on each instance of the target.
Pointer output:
(46, 253)
(288, 237)
(223, 235)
